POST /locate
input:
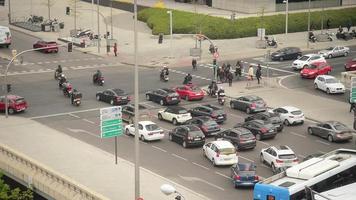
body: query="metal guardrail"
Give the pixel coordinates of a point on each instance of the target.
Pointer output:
(43, 179)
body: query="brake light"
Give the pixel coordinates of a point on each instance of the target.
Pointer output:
(253, 105)
(205, 128)
(279, 161)
(237, 177)
(257, 178)
(118, 98)
(129, 97)
(296, 160)
(264, 130)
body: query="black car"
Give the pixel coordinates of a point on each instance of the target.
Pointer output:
(259, 128)
(163, 96)
(249, 104)
(241, 137)
(244, 174)
(214, 112)
(287, 53)
(206, 124)
(128, 113)
(268, 117)
(187, 135)
(113, 96)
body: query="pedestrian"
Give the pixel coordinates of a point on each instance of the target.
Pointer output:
(115, 49)
(238, 70)
(258, 73)
(194, 64)
(348, 25)
(222, 75)
(217, 73)
(328, 23)
(352, 106)
(230, 76)
(249, 76)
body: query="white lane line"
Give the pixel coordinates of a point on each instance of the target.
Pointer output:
(39, 63)
(322, 142)
(199, 165)
(159, 148)
(65, 113)
(143, 142)
(323, 152)
(223, 175)
(73, 115)
(281, 79)
(87, 120)
(180, 157)
(147, 104)
(265, 143)
(297, 134)
(246, 158)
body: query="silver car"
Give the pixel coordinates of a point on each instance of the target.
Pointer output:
(334, 131)
(336, 51)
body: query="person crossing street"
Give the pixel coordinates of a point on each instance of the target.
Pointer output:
(258, 73)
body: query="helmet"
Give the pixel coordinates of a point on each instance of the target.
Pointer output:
(165, 67)
(221, 88)
(62, 75)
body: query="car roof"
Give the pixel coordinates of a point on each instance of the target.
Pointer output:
(189, 126)
(140, 106)
(283, 149)
(177, 108)
(222, 144)
(290, 108)
(333, 122)
(251, 97)
(117, 90)
(167, 90)
(204, 118)
(327, 76)
(146, 122)
(209, 106)
(246, 165)
(239, 130)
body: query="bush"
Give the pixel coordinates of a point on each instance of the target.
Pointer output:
(219, 28)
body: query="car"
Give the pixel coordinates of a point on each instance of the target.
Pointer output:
(334, 131)
(350, 65)
(249, 104)
(212, 111)
(220, 152)
(329, 84)
(190, 92)
(278, 157)
(53, 46)
(240, 137)
(315, 69)
(290, 115)
(113, 96)
(335, 51)
(206, 124)
(163, 96)
(128, 113)
(187, 135)
(287, 53)
(306, 60)
(259, 128)
(15, 104)
(268, 117)
(176, 115)
(244, 174)
(147, 130)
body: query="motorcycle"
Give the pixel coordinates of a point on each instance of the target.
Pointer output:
(164, 78)
(67, 89)
(98, 81)
(312, 38)
(57, 75)
(76, 99)
(271, 43)
(221, 98)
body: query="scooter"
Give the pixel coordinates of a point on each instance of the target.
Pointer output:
(164, 78)
(312, 38)
(271, 43)
(221, 98)
(67, 89)
(98, 81)
(77, 101)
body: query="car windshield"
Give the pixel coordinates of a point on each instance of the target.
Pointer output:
(152, 127)
(296, 112)
(331, 80)
(246, 136)
(330, 48)
(287, 156)
(20, 100)
(340, 127)
(227, 151)
(273, 114)
(210, 123)
(218, 112)
(254, 98)
(311, 67)
(196, 133)
(182, 111)
(304, 58)
(247, 167)
(195, 88)
(118, 91)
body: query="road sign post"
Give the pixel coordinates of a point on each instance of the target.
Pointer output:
(111, 124)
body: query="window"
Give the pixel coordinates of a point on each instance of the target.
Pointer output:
(232, 134)
(321, 79)
(140, 127)
(151, 127)
(296, 112)
(327, 126)
(287, 156)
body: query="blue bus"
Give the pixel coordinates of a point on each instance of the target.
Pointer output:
(329, 171)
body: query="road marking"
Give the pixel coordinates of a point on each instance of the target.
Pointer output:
(180, 157)
(147, 104)
(322, 142)
(143, 142)
(73, 115)
(65, 113)
(281, 79)
(199, 165)
(265, 143)
(302, 156)
(323, 152)
(195, 179)
(159, 148)
(89, 121)
(246, 158)
(297, 134)
(223, 175)
(83, 131)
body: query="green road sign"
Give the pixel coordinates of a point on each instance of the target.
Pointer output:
(353, 90)
(111, 122)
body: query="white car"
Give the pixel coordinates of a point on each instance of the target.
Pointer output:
(147, 130)
(290, 115)
(306, 60)
(220, 152)
(278, 157)
(175, 114)
(336, 51)
(329, 84)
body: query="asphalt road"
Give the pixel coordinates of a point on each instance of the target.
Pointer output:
(185, 166)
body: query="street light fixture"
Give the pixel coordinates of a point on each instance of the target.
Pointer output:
(168, 189)
(286, 2)
(171, 31)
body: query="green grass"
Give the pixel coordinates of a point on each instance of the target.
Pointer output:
(219, 28)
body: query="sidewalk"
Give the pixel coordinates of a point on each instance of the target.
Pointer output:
(78, 159)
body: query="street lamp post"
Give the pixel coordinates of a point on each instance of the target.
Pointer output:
(308, 24)
(112, 29)
(171, 32)
(286, 2)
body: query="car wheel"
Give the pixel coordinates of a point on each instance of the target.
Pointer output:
(345, 54)
(330, 138)
(310, 131)
(186, 98)
(327, 91)
(184, 144)
(127, 132)
(286, 122)
(161, 102)
(142, 138)
(316, 86)
(174, 121)
(112, 102)
(281, 58)
(160, 117)
(232, 105)
(248, 110)
(147, 97)
(258, 137)
(170, 137)
(11, 111)
(262, 160)
(330, 56)
(98, 97)
(274, 170)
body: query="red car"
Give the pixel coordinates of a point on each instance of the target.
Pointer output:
(350, 65)
(40, 44)
(16, 104)
(190, 92)
(315, 69)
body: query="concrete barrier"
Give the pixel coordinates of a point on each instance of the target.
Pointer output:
(42, 179)
(346, 77)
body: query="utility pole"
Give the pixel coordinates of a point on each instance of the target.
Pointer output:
(170, 12)
(98, 2)
(9, 12)
(31, 10)
(49, 9)
(287, 16)
(112, 29)
(308, 24)
(75, 16)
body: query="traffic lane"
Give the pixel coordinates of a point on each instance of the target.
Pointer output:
(185, 172)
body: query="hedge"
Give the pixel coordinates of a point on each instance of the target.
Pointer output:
(219, 28)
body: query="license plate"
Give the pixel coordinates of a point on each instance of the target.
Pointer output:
(227, 158)
(220, 117)
(174, 98)
(123, 97)
(197, 139)
(271, 131)
(287, 161)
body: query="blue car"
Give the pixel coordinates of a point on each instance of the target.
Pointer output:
(244, 174)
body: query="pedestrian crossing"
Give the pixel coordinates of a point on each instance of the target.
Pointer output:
(19, 63)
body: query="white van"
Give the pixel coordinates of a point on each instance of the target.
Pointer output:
(5, 36)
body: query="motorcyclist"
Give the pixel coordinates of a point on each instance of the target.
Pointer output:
(97, 76)
(75, 95)
(59, 69)
(213, 87)
(221, 92)
(62, 79)
(187, 79)
(312, 36)
(164, 72)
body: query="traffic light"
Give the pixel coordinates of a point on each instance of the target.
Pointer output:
(70, 46)
(2, 2)
(8, 88)
(160, 38)
(67, 10)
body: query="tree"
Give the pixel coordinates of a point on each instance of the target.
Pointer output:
(16, 194)
(49, 4)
